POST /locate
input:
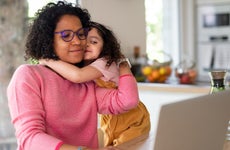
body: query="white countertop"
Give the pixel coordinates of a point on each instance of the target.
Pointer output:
(155, 95)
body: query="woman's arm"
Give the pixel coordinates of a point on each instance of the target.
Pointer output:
(70, 147)
(125, 67)
(71, 72)
(27, 111)
(122, 99)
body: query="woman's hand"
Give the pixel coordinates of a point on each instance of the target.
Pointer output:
(104, 148)
(124, 67)
(107, 148)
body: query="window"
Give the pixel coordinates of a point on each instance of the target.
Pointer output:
(34, 5)
(154, 24)
(162, 28)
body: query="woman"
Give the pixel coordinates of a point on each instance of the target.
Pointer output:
(102, 57)
(48, 111)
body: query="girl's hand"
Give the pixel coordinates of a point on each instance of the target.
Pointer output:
(42, 61)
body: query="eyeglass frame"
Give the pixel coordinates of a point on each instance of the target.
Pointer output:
(86, 30)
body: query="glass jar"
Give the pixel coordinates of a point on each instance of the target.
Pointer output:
(217, 80)
(186, 72)
(218, 84)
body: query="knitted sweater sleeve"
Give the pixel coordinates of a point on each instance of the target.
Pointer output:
(27, 113)
(118, 100)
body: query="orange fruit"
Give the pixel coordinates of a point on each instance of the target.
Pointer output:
(192, 73)
(168, 70)
(155, 74)
(162, 79)
(150, 78)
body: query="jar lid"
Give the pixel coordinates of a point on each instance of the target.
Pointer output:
(218, 74)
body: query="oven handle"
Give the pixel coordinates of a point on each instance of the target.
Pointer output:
(218, 38)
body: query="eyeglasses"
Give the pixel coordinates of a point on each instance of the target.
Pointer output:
(68, 35)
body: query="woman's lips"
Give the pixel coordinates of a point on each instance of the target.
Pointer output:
(77, 50)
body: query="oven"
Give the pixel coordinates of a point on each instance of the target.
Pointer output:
(213, 38)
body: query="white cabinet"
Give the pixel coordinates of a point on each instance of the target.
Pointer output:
(212, 56)
(8, 143)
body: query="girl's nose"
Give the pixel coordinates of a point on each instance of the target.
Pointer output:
(87, 44)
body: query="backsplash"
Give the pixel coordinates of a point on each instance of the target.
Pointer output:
(13, 25)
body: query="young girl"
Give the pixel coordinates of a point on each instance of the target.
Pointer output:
(102, 58)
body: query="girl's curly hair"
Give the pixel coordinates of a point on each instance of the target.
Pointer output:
(39, 43)
(111, 50)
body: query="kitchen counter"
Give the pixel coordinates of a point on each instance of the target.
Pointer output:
(201, 87)
(155, 95)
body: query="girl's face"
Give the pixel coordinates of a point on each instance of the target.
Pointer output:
(94, 45)
(73, 50)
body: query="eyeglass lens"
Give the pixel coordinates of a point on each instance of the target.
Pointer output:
(68, 35)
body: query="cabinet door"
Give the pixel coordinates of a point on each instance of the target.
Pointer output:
(222, 56)
(204, 61)
(212, 56)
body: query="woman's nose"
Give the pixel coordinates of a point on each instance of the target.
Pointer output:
(76, 40)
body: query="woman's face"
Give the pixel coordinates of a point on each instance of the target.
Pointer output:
(72, 51)
(94, 45)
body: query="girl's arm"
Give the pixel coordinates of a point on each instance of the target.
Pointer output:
(71, 72)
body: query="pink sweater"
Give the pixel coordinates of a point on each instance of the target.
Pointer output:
(110, 73)
(48, 110)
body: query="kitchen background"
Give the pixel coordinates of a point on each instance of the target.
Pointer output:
(129, 19)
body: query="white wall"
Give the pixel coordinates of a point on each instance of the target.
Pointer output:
(187, 29)
(125, 17)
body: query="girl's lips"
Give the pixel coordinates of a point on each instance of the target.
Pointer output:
(87, 50)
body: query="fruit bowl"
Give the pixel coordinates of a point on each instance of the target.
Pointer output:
(157, 72)
(186, 72)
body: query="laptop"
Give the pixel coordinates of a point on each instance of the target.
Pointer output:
(198, 123)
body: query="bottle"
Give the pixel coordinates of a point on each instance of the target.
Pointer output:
(217, 80)
(137, 64)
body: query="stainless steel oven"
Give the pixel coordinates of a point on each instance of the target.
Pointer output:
(213, 38)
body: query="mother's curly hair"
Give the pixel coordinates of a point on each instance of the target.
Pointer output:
(39, 43)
